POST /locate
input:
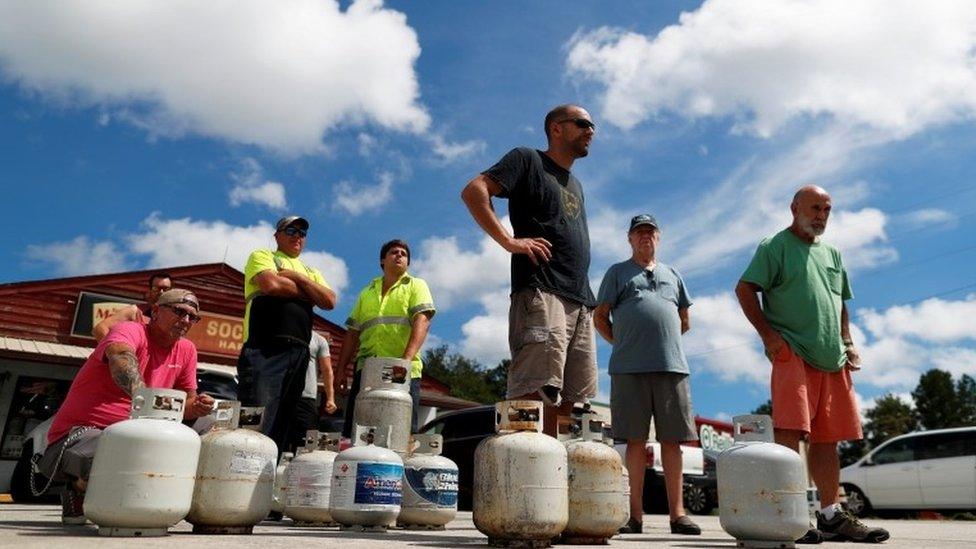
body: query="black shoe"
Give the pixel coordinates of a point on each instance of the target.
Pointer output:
(846, 527)
(72, 506)
(275, 515)
(812, 537)
(633, 526)
(685, 526)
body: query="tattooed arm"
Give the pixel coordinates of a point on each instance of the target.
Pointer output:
(124, 367)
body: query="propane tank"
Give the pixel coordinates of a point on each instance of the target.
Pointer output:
(141, 480)
(625, 491)
(595, 471)
(278, 495)
(235, 475)
(761, 487)
(309, 480)
(367, 482)
(520, 479)
(384, 400)
(430, 486)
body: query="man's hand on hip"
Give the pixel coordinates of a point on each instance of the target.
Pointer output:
(853, 358)
(538, 249)
(774, 343)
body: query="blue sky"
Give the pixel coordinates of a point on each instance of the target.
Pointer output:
(173, 133)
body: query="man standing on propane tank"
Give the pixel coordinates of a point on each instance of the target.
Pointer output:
(550, 331)
(280, 291)
(391, 318)
(803, 323)
(131, 356)
(642, 310)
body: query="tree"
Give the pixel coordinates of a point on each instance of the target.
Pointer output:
(966, 393)
(466, 378)
(890, 417)
(937, 400)
(766, 408)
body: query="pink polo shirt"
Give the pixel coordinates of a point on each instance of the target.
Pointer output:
(95, 399)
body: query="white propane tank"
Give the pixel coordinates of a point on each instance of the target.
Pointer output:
(384, 400)
(625, 492)
(278, 495)
(761, 487)
(520, 493)
(367, 482)
(430, 486)
(235, 475)
(141, 480)
(309, 479)
(595, 471)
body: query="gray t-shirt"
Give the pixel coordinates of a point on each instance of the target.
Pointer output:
(644, 309)
(317, 347)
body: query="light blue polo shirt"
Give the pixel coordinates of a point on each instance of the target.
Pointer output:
(644, 311)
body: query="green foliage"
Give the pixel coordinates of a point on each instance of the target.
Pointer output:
(766, 408)
(941, 404)
(890, 417)
(467, 378)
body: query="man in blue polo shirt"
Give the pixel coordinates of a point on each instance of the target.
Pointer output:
(649, 305)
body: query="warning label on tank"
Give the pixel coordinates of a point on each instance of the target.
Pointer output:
(368, 483)
(432, 487)
(247, 463)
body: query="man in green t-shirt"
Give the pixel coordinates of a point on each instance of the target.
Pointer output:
(391, 318)
(803, 323)
(280, 292)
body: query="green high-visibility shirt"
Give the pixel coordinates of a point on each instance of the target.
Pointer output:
(266, 260)
(384, 321)
(804, 287)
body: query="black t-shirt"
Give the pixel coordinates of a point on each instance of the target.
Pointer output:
(280, 320)
(545, 200)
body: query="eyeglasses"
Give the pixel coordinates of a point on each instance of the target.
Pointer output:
(183, 313)
(295, 231)
(581, 123)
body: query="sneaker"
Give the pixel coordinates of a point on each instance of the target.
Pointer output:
(812, 537)
(846, 527)
(72, 506)
(685, 526)
(633, 526)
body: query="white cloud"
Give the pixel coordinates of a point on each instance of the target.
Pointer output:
(897, 66)
(461, 276)
(486, 335)
(250, 187)
(79, 256)
(926, 217)
(933, 320)
(367, 143)
(453, 151)
(278, 75)
(365, 198)
(860, 236)
(723, 342)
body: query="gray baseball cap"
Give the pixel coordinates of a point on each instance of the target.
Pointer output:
(284, 222)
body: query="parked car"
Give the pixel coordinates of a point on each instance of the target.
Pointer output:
(464, 429)
(697, 486)
(701, 491)
(921, 470)
(219, 382)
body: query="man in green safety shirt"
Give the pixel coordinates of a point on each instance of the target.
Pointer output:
(391, 318)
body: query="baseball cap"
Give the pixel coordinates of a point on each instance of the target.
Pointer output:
(284, 222)
(178, 297)
(642, 219)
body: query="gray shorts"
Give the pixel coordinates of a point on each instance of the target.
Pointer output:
(76, 461)
(552, 343)
(665, 396)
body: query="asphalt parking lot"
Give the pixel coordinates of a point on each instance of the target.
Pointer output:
(29, 526)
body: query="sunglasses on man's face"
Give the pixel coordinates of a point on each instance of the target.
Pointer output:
(183, 313)
(581, 123)
(295, 231)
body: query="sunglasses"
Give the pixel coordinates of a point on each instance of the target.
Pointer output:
(581, 123)
(183, 313)
(295, 231)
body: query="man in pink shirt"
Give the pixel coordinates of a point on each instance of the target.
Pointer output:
(132, 355)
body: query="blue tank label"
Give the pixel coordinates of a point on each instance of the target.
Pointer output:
(436, 486)
(379, 483)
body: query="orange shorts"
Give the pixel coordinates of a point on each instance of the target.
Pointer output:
(813, 401)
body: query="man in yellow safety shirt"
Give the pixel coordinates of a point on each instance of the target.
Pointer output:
(390, 319)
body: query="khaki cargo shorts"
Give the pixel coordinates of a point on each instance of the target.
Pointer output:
(552, 343)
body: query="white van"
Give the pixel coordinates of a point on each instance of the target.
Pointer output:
(921, 470)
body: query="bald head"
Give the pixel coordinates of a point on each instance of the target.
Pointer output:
(811, 208)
